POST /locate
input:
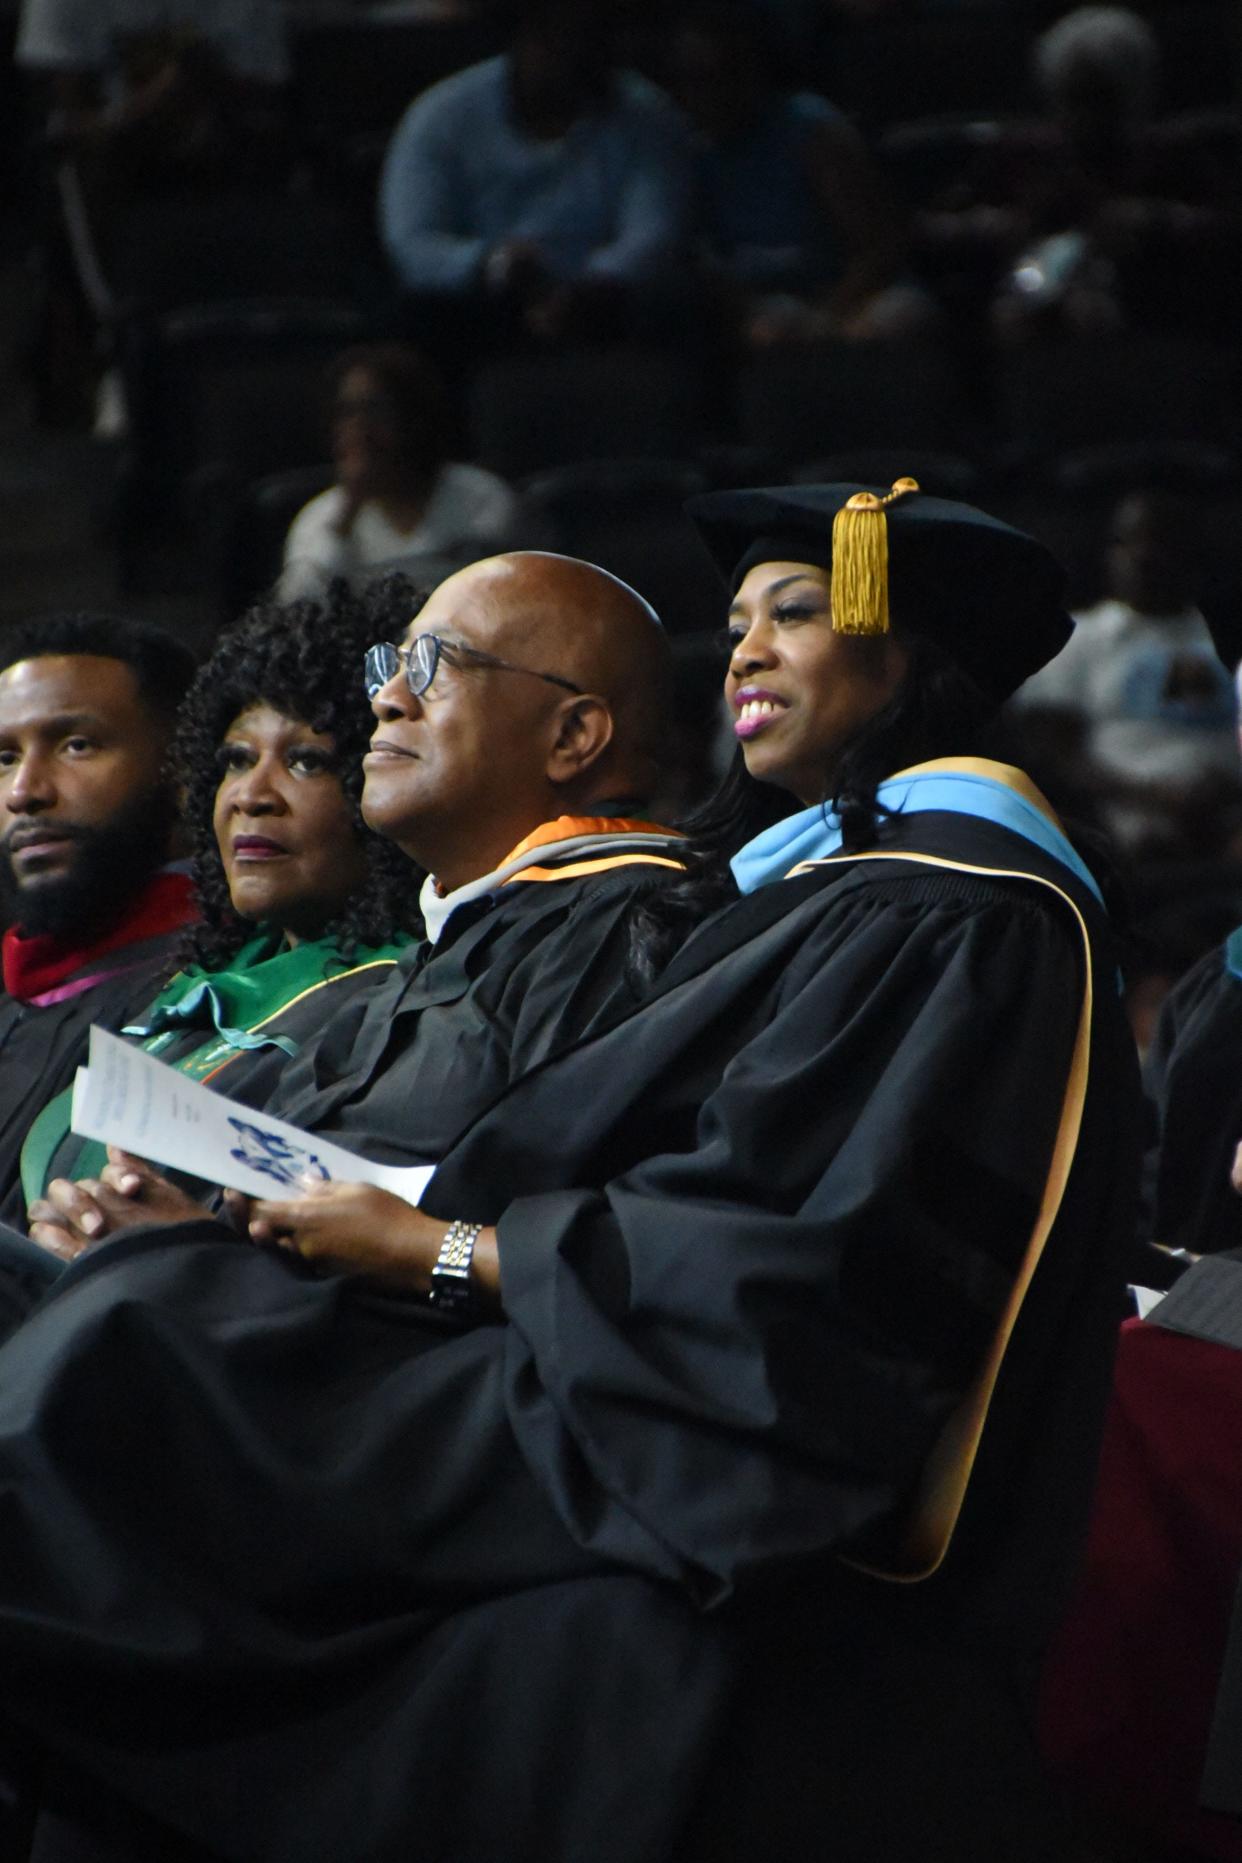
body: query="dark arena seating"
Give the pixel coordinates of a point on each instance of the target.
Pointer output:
(937, 88)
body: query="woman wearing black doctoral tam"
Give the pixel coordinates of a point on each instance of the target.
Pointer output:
(723, 1516)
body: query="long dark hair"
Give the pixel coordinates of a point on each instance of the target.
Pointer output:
(305, 660)
(936, 711)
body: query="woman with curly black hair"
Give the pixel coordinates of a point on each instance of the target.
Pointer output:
(295, 892)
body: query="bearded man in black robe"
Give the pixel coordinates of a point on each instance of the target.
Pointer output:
(92, 896)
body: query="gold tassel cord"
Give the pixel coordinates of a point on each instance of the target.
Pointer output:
(860, 561)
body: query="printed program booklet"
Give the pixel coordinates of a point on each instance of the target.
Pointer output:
(125, 1097)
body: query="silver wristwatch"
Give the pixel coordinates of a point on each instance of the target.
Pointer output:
(451, 1289)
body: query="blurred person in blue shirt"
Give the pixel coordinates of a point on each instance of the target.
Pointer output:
(792, 219)
(545, 183)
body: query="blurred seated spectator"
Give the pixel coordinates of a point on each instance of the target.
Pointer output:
(141, 98)
(1146, 708)
(1098, 213)
(171, 88)
(398, 493)
(791, 215)
(1193, 1075)
(1192, 1070)
(541, 189)
(1144, 693)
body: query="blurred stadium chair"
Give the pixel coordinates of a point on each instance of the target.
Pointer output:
(800, 403)
(528, 413)
(1063, 394)
(626, 515)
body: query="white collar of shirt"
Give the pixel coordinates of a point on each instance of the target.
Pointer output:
(437, 908)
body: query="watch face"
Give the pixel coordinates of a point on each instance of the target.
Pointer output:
(450, 1292)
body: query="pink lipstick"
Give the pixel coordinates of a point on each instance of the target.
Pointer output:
(756, 709)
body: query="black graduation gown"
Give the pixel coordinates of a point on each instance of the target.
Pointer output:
(1194, 1074)
(307, 1576)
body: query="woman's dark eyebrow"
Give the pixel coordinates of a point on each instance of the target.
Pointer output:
(774, 588)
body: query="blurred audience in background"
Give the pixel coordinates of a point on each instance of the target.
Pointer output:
(792, 221)
(650, 249)
(139, 97)
(399, 493)
(163, 89)
(541, 192)
(1078, 186)
(1099, 213)
(1140, 695)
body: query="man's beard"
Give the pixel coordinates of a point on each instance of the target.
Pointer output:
(110, 866)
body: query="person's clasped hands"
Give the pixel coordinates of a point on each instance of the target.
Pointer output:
(128, 1194)
(355, 1226)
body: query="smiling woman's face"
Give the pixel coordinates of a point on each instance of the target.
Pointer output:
(798, 691)
(284, 825)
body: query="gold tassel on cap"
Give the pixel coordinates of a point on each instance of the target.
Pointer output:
(860, 561)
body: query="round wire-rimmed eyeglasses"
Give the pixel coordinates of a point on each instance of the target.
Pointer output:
(421, 658)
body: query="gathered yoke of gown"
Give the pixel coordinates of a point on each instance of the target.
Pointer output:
(517, 970)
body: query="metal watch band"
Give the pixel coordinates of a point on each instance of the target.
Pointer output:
(451, 1288)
